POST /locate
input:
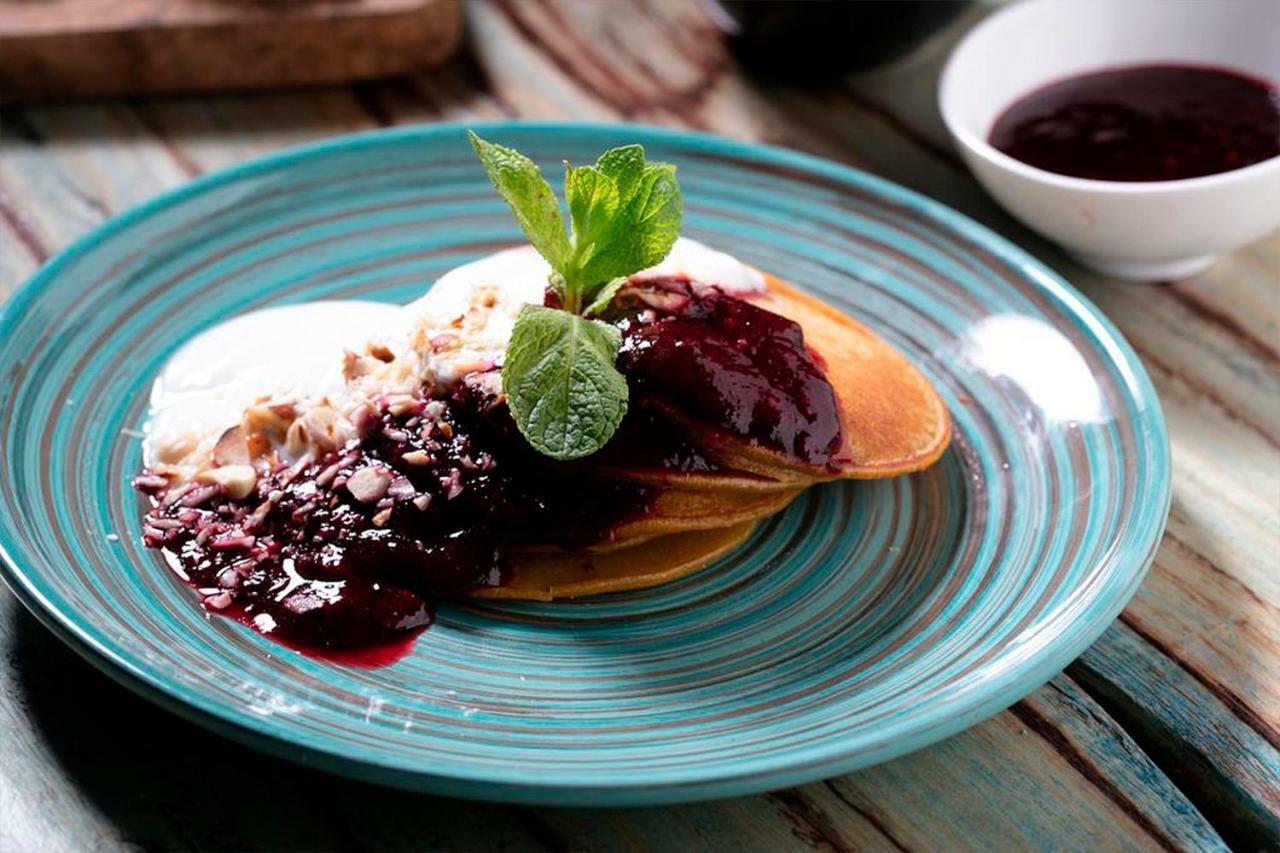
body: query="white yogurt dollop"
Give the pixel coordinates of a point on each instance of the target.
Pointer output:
(295, 353)
(291, 352)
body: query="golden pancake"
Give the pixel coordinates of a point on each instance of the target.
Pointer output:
(545, 577)
(680, 510)
(892, 420)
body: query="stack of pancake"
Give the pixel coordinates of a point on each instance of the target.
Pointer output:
(892, 422)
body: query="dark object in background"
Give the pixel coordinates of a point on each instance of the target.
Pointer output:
(52, 49)
(794, 41)
(1144, 123)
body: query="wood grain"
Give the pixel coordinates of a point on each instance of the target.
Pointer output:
(84, 48)
(1188, 727)
(1164, 735)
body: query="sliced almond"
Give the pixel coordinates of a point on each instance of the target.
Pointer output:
(237, 480)
(368, 485)
(232, 448)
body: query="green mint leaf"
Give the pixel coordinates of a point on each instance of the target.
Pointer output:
(593, 208)
(530, 197)
(624, 166)
(637, 232)
(565, 393)
(604, 296)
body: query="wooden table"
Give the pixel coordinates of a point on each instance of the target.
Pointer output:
(1165, 734)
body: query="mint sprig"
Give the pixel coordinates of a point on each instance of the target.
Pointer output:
(562, 388)
(565, 393)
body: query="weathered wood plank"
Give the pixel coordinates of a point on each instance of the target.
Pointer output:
(1229, 767)
(19, 255)
(203, 134)
(1055, 771)
(65, 169)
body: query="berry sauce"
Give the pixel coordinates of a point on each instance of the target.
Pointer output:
(728, 364)
(343, 556)
(349, 551)
(1143, 123)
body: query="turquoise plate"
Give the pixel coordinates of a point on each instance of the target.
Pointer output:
(867, 620)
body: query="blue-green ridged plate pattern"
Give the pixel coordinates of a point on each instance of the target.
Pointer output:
(866, 620)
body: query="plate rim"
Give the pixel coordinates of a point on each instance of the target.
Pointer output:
(949, 714)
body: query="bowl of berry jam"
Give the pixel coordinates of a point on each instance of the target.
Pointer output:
(1143, 137)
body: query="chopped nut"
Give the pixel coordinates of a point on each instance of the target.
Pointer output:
(326, 476)
(445, 428)
(150, 483)
(382, 517)
(355, 366)
(445, 342)
(422, 501)
(365, 420)
(401, 489)
(232, 448)
(402, 404)
(417, 457)
(452, 484)
(175, 449)
(296, 440)
(381, 352)
(267, 420)
(231, 540)
(259, 515)
(369, 484)
(259, 446)
(322, 428)
(237, 480)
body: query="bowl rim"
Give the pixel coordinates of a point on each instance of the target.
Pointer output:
(978, 145)
(1076, 627)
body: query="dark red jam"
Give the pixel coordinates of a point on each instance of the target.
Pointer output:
(1144, 123)
(727, 363)
(351, 550)
(345, 555)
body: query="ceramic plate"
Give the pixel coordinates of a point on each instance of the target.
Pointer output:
(867, 620)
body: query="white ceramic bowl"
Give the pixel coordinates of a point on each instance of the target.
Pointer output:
(1140, 230)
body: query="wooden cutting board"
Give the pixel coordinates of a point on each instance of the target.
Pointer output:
(85, 48)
